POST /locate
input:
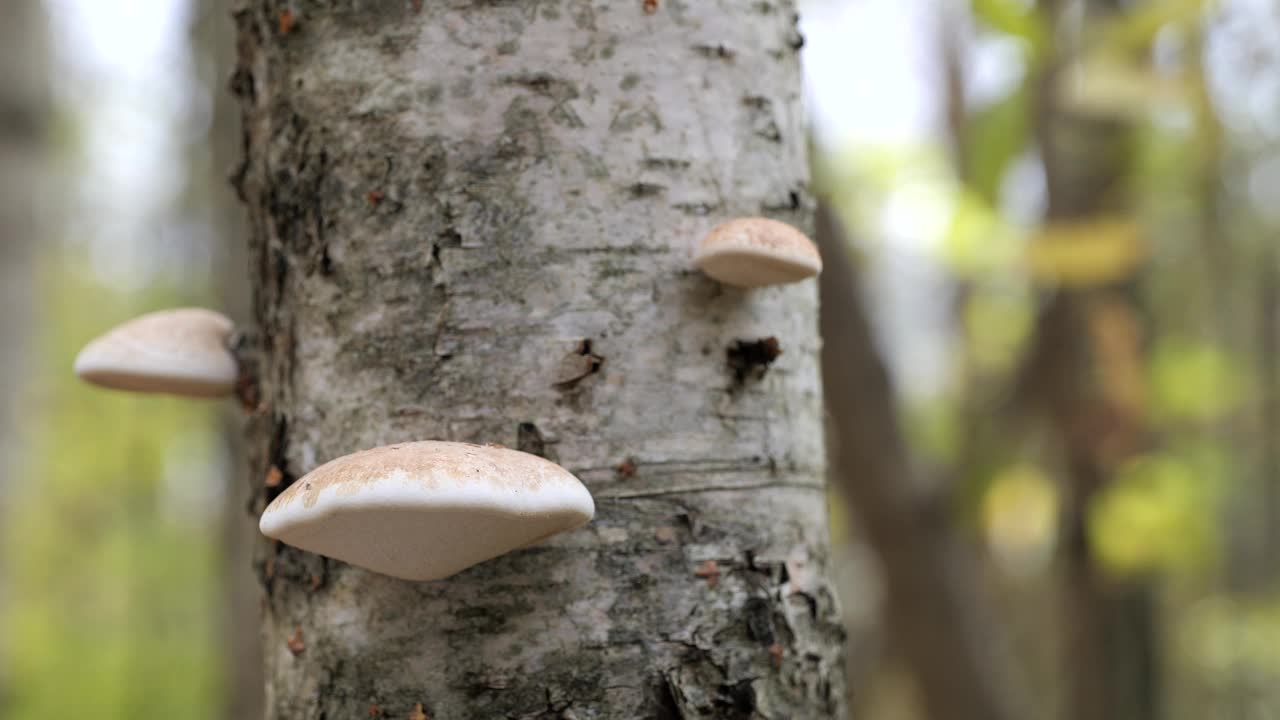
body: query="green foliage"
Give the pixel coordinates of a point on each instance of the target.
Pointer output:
(932, 430)
(109, 541)
(997, 323)
(1161, 512)
(1012, 18)
(1194, 381)
(978, 241)
(1172, 270)
(1019, 516)
(994, 137)
(1230, 648)
(1086, 253)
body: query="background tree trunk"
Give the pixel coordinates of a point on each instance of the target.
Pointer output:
(472, 221)
(24, 109)
(1109, 624)
(24, 117)
(214, 50)
(958, 652)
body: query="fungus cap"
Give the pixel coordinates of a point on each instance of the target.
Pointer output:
(426, 510)
(754, 252)
(179, 352)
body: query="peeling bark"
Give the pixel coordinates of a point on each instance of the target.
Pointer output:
(472, 221)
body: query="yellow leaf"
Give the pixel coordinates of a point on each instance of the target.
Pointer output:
(997, 324)
(1107, 85)
(1019, 513)
(1194, 381)
(1159, 514)
(977, 239)
(1086, 253)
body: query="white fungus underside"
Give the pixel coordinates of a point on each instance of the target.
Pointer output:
(402, 528)
(752, 267)
(156, 374)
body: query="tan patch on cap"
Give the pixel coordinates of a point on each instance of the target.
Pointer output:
(182, 351)
(763, 234)
(195, 330)
(428, 462)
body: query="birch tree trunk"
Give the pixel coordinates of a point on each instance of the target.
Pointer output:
(471, 221)
(213, 48)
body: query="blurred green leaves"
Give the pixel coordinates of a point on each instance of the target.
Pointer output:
(1020, 518)
(1194, 381)
(994, 137)
(1085, 253)
(1160, 513)
(1146, 228)
(997, 323)
(996, 134)
(978, 241)
(110, 539)
(1228, 642)
(1014, 18)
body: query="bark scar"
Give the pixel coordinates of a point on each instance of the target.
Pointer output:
(749, 360)
(577, 365)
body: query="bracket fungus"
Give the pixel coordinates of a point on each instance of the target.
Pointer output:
(426, 510)
(755, 252)
(178, 352)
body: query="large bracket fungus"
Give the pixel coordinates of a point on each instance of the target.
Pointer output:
(426, 510)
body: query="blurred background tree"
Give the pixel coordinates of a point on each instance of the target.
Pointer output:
(24, 115)
(112, 504)
(1054, 426)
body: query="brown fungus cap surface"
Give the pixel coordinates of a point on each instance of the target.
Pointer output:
(756, 252)
(178, 352)
(426, 510)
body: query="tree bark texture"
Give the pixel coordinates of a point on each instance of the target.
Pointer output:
(472, 221)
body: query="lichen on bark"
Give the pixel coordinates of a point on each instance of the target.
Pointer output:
(472, 221)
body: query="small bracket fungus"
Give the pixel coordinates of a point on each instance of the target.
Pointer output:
(755, 252)
(179, 352)
(426, 510)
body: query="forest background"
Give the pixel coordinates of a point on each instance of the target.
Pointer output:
(1063, 215)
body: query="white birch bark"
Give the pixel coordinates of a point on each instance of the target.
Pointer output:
(459, 210)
